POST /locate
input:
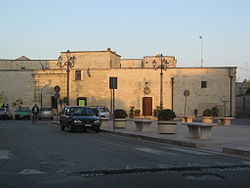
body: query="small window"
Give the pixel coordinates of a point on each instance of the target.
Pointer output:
(203, 84)
(78, 75)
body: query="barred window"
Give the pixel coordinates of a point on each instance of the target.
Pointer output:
(203, 84)
(78, 75)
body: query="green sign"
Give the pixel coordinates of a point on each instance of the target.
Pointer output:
(82, 103)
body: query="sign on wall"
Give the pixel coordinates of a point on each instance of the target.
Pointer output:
(112, 82)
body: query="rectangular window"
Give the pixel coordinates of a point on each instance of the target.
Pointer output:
(78, 75)
(203, 84)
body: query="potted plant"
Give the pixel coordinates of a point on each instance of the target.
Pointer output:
(157, 111)
(120, 118)
(131, 112)
(207, 116)
(165, 123)
(215, 111)
(137, 112)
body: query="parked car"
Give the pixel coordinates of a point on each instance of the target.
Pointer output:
(5, 113)
(101, 112)
(23, 113)
(46, 113)
(77, 117)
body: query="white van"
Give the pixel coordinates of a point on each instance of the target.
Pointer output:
(101, 111)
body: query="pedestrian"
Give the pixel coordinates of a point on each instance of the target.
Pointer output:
(35, 111)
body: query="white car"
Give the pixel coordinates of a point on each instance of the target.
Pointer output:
(5, 113)
(101, 111)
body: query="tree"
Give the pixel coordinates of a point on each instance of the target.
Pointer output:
(248, 91)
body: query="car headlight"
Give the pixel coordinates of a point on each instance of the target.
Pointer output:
(97, 121)
(77, 121)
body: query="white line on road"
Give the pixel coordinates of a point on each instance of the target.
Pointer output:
(153, 151)
(4, 154)
(30, 171)
(189, 151)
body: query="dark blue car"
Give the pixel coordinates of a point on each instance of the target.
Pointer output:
(77, 117)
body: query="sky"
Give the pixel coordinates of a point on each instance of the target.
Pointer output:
(132, 28)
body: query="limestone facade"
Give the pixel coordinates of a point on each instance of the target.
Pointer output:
(33, 81)
(243, 98)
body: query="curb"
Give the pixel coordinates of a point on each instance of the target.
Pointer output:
(160, 140)
(236, 152)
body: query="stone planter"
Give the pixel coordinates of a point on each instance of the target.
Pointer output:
(120, 123)
(167, 127)
(187, 119)
(207, 119)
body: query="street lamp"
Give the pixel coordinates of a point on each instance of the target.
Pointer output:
(69, 63)
(201, 50)
(230, 75)
(162, 66)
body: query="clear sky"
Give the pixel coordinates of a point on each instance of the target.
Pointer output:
(133, 28)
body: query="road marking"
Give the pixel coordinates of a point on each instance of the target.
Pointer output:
(246, 162)
(4, 154)
(153, 151)
(30, 171)
(189, 151)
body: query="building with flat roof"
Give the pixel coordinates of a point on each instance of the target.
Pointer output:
(34, 81)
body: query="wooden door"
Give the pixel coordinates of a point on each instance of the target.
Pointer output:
(147, 106)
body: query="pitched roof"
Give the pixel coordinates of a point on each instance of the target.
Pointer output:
(22, 58)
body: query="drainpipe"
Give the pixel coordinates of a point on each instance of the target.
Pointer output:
(172, 93)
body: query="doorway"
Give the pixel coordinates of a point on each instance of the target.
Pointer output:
(147, 106)
(81, 101)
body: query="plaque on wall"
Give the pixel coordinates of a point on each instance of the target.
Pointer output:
(147, 90)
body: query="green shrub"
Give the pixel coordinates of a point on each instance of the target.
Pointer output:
(215, 111)
(137, 111)
(207, 112)
(166, 115)
(120, 113)
(157, 111)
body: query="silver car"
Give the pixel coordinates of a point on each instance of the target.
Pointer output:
(101, 112)
(5, 113)
(46, 113)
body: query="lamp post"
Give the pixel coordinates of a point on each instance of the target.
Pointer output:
(69, 63)
(230, 75)
(201, 50)
(172, 93)
(162, 66)
(42, 95)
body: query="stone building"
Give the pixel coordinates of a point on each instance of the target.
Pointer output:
(243, 98)
(33, 81)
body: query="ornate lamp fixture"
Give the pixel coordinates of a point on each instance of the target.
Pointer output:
(69, 63)
(162, 66)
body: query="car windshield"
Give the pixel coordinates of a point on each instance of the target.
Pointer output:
(104, 109)
(81, 112)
